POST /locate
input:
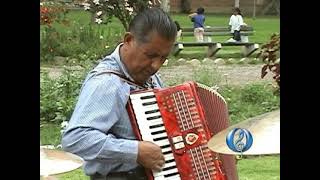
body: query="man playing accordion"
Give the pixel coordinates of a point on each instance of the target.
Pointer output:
(100, 130)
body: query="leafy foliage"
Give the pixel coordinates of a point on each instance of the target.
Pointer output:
(58, 95)
(124, 10)
(51, 12)
(269, 54)
(248, 101)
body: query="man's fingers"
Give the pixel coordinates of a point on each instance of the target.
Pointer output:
(158, 167)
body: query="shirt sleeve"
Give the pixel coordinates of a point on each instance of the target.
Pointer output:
(158, 83)
(230, 21)
(241, 20)
(100, 105)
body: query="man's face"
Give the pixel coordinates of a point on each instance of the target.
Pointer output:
(142, 60)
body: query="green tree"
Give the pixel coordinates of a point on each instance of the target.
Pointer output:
(103, 10)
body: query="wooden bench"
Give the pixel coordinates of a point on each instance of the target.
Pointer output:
(214, 47)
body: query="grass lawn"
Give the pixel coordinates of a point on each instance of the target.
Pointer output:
(257, 168)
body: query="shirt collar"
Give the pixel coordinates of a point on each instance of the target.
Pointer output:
(116, 55)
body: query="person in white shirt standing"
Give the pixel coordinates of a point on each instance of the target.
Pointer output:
(235, 23)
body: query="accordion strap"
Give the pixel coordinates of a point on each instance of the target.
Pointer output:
(122, 77)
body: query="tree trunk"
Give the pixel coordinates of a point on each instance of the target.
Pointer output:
(165, 5)
(254, 9)
(236, 3)
(185, 6)
(92, 18)
(269, 6)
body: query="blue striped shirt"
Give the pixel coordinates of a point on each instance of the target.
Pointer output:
(99, 130)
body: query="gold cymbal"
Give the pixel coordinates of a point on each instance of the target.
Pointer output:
(56, 162)
(265, 131)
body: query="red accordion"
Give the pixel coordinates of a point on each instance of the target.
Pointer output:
(181, 120)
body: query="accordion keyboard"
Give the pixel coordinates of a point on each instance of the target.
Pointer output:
(149, 119)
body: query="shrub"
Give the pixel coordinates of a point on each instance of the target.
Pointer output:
(206, 75)
(92, 40)
(269, 54)
(50, 12)
(58, 96)
(250, 100)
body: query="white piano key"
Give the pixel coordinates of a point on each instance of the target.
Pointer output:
(168, 156)
(148, 132)
(175, 177)
(162, 173)
(159, 178)
(139, 108)
(171, 164)
(144, 109)
(150, 108)
(162, 142)
(160, 132)
(151, 115)
(145, 133)
(146, 136)
(153, 122)
(146, 125)
(143, 119)
(174, 170)
(166, 149)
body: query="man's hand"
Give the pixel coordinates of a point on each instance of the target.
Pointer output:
(150, 156)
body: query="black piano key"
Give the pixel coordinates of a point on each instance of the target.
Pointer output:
(168, 152)
(158, 132)
(169, 161)
(168, 168)
(149, 103)
(171, 174)
(152, 111)
(160, 138)
(155, 126)
(165, 146)
(154, 117)
(148, 97)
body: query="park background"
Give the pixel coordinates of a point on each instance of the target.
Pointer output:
(72, 43)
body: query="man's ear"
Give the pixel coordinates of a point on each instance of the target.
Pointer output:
(128, 39)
